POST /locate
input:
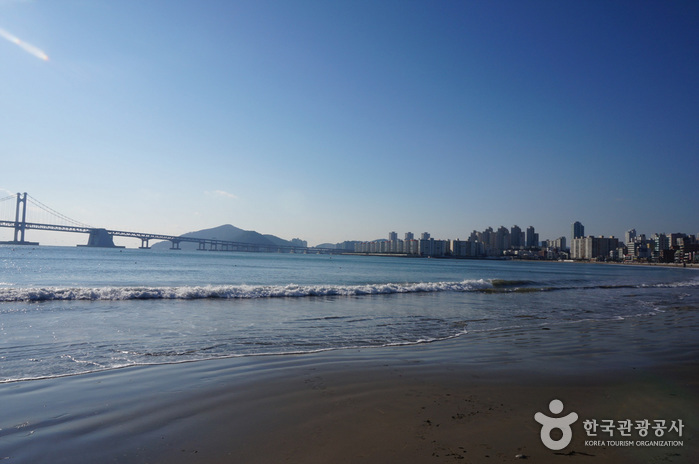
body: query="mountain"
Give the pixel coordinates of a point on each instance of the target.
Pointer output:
(276, 240)
(229, 233)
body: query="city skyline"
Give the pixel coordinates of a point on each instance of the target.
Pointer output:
(337, 121)
(517, 244)
(531, 238)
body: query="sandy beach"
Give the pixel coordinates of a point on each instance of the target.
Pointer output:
(469, 399)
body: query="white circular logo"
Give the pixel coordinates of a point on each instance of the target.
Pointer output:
(561, 423)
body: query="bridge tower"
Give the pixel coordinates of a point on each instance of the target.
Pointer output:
(20, 225)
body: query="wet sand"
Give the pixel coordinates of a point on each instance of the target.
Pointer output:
(470, 399)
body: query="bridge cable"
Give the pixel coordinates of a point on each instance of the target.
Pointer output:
(50, 210)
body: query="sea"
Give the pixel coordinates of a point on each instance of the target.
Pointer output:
(69, 311)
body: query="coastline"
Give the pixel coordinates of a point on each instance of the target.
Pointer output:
(672, 265)
(471, 398)
(514, 259)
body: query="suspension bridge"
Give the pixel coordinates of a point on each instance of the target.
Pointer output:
(44, 218)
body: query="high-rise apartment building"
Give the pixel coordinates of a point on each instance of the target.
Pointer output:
(577, 230)
(630, 236)
(558, 244)
(488, 237)
(662, 242)
(532, 238)
(502, 239)
(516, 237)
(297, 242)
(675, 239)
(593, 247)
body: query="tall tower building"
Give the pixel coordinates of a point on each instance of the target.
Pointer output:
(516, 237)
(630, 236)
(532, 238)
(488, 238)
(577, 230)
(502, 239)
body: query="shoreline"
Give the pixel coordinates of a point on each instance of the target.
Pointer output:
(471, 398)
(670, 265)
(514, 259)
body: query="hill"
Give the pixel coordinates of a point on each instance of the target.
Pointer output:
(229, 233)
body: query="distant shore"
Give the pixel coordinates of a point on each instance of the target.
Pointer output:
(683, 265)
(484, 258)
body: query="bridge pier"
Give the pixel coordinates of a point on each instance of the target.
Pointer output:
(175, 245)
(144, 244)
(100, 238)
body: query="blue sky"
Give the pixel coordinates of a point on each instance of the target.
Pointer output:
(346, 120)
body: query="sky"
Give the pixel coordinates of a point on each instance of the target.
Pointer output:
(346, 120)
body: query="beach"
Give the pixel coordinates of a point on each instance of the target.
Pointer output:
(467, 399)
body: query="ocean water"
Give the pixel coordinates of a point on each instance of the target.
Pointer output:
(67, 311)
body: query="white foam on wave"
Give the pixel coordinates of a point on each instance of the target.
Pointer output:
(38, 294)
(684, 283)
(231, 291)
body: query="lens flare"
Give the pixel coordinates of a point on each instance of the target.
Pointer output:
(27, 47)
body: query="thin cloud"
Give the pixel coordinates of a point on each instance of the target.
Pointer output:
(221, 194)
(29, 48)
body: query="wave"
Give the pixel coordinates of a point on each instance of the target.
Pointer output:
(231, 291)
(296, 291)
(167, 357)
